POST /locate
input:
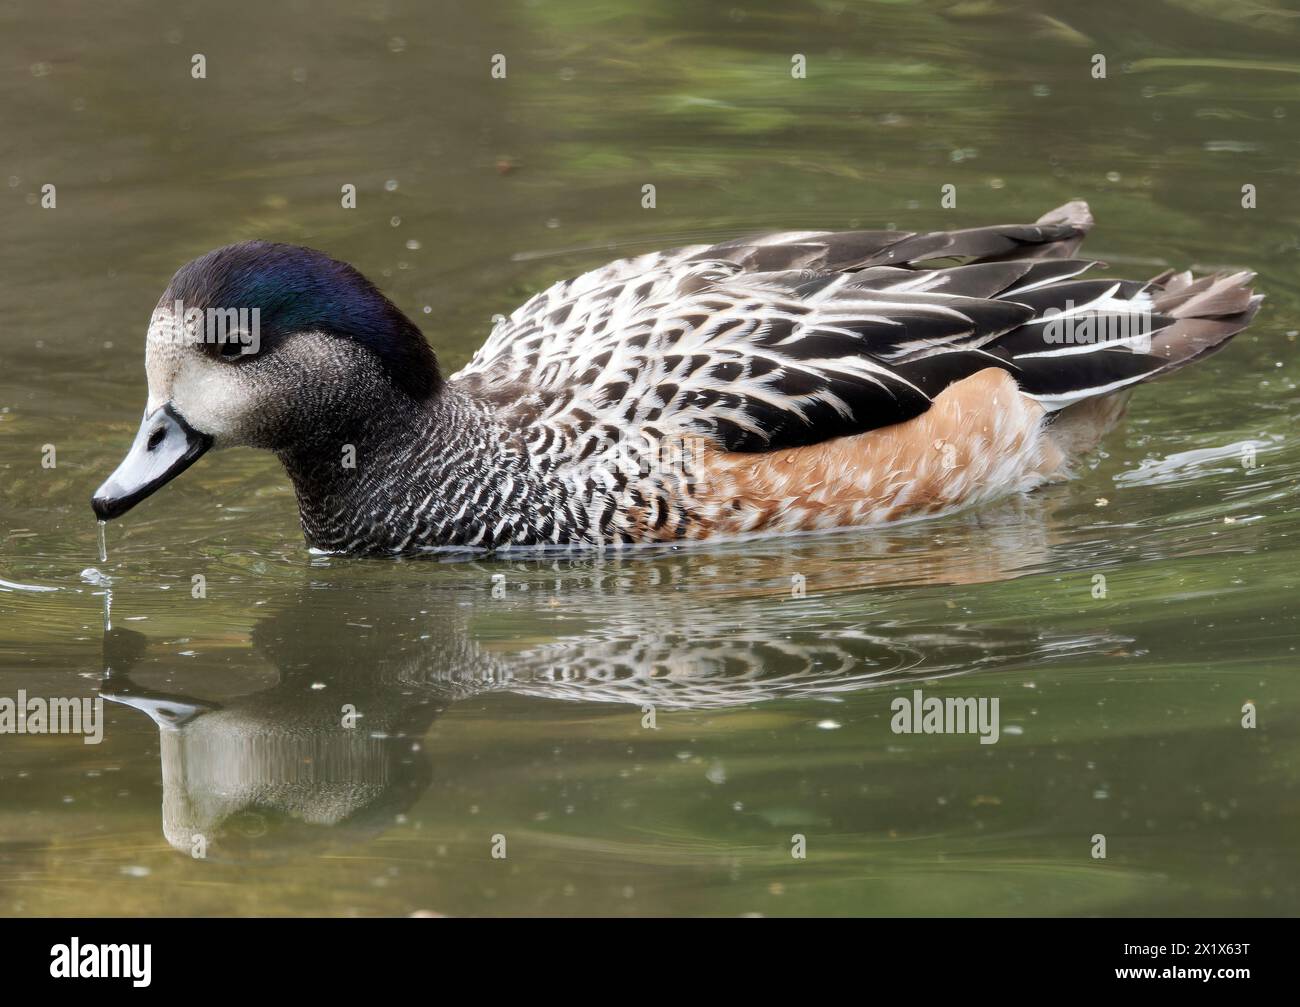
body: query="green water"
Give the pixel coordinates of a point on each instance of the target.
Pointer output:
(521, 712)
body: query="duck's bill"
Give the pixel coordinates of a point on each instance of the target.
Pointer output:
(164, 447)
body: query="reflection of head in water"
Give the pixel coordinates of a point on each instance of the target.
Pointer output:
(332, 753)
(278, 770)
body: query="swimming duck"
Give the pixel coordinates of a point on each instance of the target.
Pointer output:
(789, 382)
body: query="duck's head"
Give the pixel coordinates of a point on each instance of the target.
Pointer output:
(265, 345)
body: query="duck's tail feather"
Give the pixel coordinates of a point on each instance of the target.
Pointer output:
(1096, 338)
(1055, 235)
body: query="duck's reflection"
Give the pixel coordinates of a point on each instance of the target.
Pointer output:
(368, 656)
(330, 753)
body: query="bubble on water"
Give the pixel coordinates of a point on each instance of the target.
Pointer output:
(95, 577)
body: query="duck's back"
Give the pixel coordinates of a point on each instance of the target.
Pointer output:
(807, 380)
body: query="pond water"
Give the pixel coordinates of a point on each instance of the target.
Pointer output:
(505, 706)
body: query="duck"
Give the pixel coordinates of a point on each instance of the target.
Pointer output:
(786, 383)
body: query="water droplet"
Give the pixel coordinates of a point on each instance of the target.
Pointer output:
(95, 578)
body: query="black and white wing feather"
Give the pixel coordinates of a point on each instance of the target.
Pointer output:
(791, 339)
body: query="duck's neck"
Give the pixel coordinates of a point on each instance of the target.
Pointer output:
(413, 475)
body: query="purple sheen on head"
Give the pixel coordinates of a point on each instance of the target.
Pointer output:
(298, 289)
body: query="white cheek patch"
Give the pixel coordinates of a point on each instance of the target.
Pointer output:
(212, 396)
(214, 399)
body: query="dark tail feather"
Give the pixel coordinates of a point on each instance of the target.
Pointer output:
(1055, 235)
(1208, 311)
(1189, 319)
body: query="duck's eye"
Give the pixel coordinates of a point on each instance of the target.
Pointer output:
(234, 347)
